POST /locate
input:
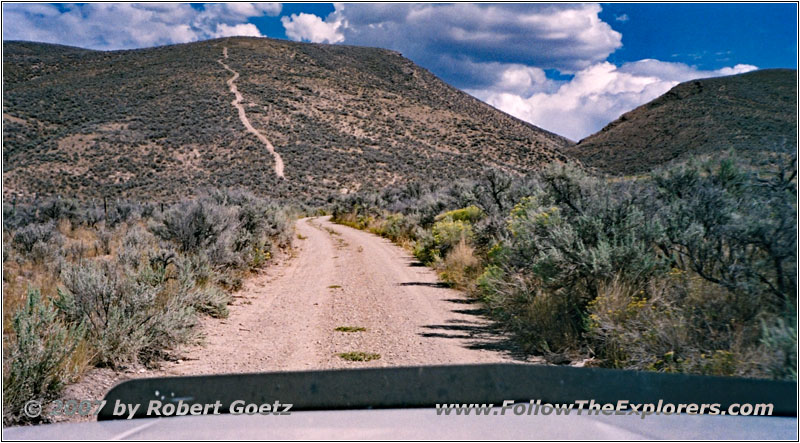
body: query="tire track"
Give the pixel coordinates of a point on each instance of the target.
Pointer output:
(237, 103)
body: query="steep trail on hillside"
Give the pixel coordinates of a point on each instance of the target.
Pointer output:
(237, 102)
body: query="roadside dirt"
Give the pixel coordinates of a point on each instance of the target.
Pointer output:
(237, 102)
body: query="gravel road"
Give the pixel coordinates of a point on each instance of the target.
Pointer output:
(286, 318)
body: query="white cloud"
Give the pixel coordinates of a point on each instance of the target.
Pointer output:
(242, 29)
(622, 18)
(311, 28)
(244, 10)
(129, 25)
(513, 78)
(597, 95)
(562, 36)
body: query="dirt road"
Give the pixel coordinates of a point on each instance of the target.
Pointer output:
(237, 102)
(286, 319)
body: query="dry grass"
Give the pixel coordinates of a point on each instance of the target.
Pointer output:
(359, 356)
(17, 279)
(460, 267)
(350, 329)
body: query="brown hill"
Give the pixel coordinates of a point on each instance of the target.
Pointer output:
(751, 113)
(159, 122)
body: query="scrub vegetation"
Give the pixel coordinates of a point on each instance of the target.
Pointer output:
(350, 329)
(359, 356)
(120, 286)
(689, 269)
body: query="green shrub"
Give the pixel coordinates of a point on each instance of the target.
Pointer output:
(123, 316)
(398, 228)
(194, 225)
(779, 338)
(36, 357)
(27, 237)
(470, 214)
(433, 246)
(448, 233)
(211, 300)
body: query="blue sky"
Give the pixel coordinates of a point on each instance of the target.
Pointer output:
(569, 68)
(707, 35)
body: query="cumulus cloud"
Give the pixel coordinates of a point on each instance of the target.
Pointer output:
(311, 28)
(242, 29)
(129, 25)
(515, 78)
(596, 95)
(567, 37)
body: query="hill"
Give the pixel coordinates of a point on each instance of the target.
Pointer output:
(159, 122)
(752, 113)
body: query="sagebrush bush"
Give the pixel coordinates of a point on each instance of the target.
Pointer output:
(232, 229)
(720, 206)
(132, 279)
(27, 237)
(211, 300)
(136, 245)
(194, 225)
(689, 269)
(124, 316)
(569, 238)
(779, 338)
(36, 357)
(543, 321)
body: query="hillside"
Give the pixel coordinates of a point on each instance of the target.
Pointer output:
(159, 122)
(753, 113)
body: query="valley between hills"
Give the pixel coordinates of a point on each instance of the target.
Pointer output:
(250, 205)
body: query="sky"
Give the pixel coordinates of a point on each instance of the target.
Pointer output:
(569, 68)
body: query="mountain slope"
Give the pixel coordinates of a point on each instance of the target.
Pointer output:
(752, 113)
(160, 122)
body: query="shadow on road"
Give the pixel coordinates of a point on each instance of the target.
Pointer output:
(480, 334)
(421, 283)
(463, 301)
